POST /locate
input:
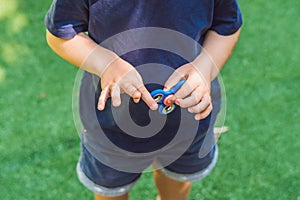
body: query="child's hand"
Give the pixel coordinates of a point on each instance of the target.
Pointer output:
(194, 94)
(122, 77)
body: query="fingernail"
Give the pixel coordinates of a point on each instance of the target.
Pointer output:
(154, 106)
(100, 107)
(116, 103)
(136, 100)
(197, 117)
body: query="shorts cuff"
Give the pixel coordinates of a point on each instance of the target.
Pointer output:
(110, 192)
(196, 176)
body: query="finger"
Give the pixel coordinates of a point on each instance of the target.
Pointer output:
(115, 96)
(130, 90)
(193, 99)
(173, 80)
(205, 113)
(187, 88)
(136, 96)
(133, 92)
(136, 100)
(147, 98)
(131, 81)
(103, 98)
(202, 105)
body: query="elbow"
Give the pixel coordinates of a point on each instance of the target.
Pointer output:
(55, 43)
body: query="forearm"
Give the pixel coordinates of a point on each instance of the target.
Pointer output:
(116, 74)
(82, 52)
(216, 51)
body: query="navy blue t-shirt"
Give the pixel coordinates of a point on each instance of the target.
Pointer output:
(103, 19)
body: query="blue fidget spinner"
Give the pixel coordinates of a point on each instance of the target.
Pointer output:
(161, 97)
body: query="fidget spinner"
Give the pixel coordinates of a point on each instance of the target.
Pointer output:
(161, 97)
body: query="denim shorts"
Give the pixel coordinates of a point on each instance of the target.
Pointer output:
(108, 181)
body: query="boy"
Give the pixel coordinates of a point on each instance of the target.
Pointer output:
(213, 24)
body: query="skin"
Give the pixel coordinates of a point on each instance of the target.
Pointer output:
(122, 197)
(119, 77)
(166, 185)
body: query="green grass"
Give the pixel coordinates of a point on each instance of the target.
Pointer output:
(259, 156)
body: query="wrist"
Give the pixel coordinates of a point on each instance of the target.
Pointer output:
(205, 66)
(118, 67)
(98, 60)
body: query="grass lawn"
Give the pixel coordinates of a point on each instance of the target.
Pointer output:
(258, 156)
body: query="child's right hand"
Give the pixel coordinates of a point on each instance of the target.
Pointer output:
(120, 77)
(117, 75)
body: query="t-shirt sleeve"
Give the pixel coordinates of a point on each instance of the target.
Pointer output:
(66, 18)
(227, 17)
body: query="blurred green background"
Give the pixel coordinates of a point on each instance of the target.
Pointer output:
(259, 155)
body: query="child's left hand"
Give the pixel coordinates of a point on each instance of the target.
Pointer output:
(194, 94)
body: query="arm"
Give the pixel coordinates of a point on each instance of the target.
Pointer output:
(217, 50)
(116, 74)
(195, 93)
(74, 50)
